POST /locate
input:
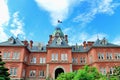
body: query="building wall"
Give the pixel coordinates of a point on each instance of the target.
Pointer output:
(91, 58)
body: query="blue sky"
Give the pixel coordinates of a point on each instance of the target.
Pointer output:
(81, 19)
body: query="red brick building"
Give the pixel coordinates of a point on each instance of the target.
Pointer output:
(28, 61)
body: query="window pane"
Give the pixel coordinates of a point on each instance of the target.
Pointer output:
(52, 56)
(44, 60)
(41, 73)
(5, 55)
(40, 60)
(65, 56)
(56, 57)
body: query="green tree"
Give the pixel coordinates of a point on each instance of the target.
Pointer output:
(4, 75)
(66, 76)
(116, 72)
(87, 73)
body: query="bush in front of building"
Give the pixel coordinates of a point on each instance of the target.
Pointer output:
(87, 73)
(4, 75)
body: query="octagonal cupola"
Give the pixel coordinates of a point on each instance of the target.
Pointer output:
(58, 38)
(58, 32)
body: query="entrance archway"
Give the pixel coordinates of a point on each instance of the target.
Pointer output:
(58, 71)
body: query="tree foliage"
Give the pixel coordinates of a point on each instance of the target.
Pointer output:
(4, 75)
(87, 73)
(116, 72)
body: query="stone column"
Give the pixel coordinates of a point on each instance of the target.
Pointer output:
(47, 74)
(70, 67)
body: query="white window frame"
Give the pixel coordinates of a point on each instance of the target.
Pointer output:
(82, 60)
(56, 57)
(42, 60)
(53, 57)
(111, 70)
(23, 73)
(109, 56)
(32, 73)
(74, 60)
(64, 57)
(103, 71)
(13, 71)
(41, 73)
(100, 56)
(6, 55)
(16, 55)
(117, 56)
(33, 60)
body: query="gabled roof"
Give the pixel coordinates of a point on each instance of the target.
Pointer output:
(12, 42)
(37, 49)
(104, 43)
(77, 48)
(62, 43)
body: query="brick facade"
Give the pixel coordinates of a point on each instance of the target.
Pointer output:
(28, 62)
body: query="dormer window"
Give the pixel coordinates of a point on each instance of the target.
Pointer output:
(11, 40)
(59, 41)
(57, 34)
(104, 41)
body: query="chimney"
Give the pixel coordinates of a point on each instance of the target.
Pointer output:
(90, 43)
(50, 39)
(66, 38)
(25, 43)
(31, 44)
(84, 44)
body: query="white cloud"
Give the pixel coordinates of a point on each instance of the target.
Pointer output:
(116, 40)
(3, 35)
(80, 36)
(96, 7)
(4, 19)
(58, 9)
(4, 13)
(17, 26)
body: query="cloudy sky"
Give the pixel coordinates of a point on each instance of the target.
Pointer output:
(81, 19)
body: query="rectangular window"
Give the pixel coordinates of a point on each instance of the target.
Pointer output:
(100, 56)
(103, 70)
(6, 55)
(13, 71)
(109, 56)
(74, 60)
(117, 56)
(111, 70)
(54, 57)
(33, 60)
(42, 73)
(42, 60)
(82, 60)
(32, 73)
(16, 55)
(64, 57)
(23, 73)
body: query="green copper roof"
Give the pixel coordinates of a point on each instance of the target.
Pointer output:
(58, 32)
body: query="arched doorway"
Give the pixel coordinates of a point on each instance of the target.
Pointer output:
(58, 71)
